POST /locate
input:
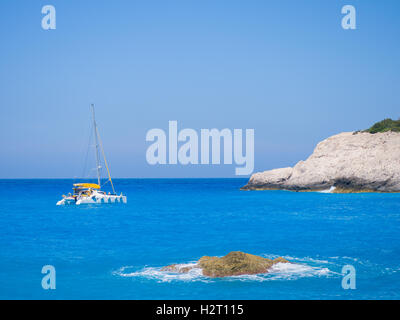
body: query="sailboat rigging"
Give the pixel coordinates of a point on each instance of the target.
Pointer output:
(85, 193)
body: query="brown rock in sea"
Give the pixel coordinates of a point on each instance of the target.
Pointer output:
(236, 263)
(233, 264)
(177, 268)
(280, 260)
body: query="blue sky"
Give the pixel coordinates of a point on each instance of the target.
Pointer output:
(284, 68)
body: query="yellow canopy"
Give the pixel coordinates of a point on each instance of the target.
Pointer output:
(87, 185)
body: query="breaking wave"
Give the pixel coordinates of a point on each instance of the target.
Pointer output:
(155, 273)
(330, 190)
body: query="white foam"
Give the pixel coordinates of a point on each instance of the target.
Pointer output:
(330, 190)
(306, 260)
(155, 273)
(284, 271)
(294, 270)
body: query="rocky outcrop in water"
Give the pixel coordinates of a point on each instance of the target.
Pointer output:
(234, 263)
(178, 268)
(349, 161)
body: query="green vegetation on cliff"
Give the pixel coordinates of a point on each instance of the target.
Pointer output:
(384, 126)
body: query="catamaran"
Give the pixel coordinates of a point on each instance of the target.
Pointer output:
(86, 193)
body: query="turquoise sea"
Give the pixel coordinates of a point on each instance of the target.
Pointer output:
(116, 251)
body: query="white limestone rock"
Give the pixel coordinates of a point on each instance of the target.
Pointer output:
(348, 161)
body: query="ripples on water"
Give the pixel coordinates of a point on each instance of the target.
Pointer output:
(180, 220)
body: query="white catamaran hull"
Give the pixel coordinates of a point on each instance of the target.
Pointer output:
(102, 199)
(98, 198)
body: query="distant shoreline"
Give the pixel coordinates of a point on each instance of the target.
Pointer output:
(90, 179)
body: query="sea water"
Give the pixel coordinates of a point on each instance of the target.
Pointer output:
(117, 251)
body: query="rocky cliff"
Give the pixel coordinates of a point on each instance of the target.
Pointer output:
(347, 162)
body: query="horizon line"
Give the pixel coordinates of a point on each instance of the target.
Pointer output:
(143, 178)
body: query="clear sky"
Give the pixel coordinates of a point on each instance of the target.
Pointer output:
(287, 69)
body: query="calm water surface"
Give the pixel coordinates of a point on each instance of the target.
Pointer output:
(116, 251)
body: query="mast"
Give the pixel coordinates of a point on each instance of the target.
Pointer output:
(105, 161)
(97, 146)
